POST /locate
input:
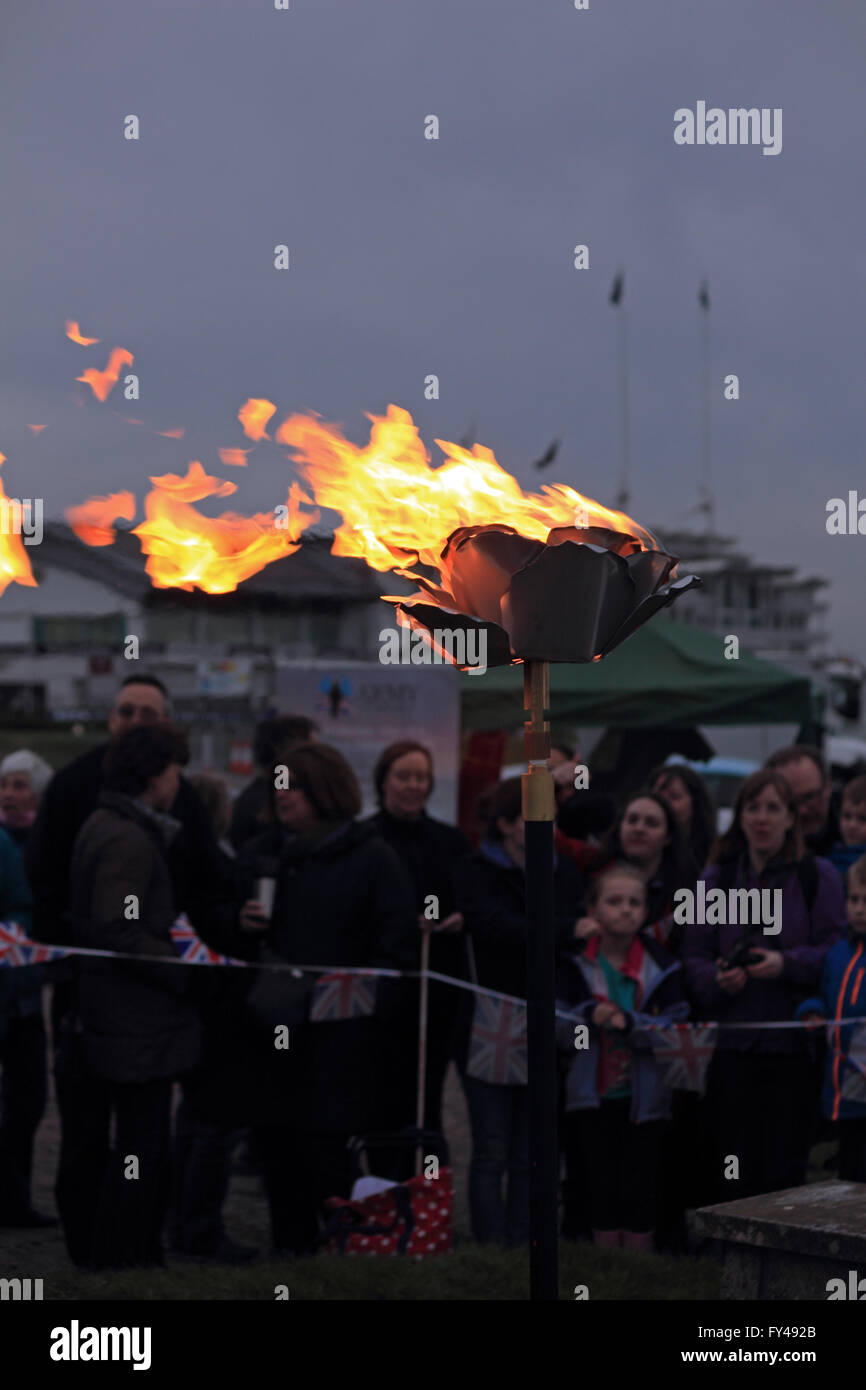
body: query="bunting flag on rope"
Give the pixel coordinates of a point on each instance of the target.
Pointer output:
(340, 996)
(16, 948)
(685, 1053)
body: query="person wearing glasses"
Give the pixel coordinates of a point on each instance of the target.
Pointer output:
(805, 771)
(197, 879)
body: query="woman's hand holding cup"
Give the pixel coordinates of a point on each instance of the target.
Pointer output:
(252, 916)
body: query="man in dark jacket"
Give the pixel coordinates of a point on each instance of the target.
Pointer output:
(139, 1027)
(196, 875)
(73, 793)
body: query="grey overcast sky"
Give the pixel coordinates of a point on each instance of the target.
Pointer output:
(411, 256)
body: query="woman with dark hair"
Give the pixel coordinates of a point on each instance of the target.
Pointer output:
(686, 793)
(430, 850)
(341, 898)
(648, 836)
(492, 890)
(760, 1083)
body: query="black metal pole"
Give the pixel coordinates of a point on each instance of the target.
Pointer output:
(538, 813)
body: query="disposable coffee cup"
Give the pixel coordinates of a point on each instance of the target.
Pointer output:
(264, 892)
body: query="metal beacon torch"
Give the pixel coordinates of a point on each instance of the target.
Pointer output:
(524, 577)
(572, 597)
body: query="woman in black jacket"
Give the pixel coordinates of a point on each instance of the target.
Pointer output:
(492, 891)
(431, 851)
(341, 898)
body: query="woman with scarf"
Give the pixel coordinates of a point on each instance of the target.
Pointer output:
(760, 1083)
(340, 898)
(431, 852)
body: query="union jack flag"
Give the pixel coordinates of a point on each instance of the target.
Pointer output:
(340, 996)
(854, 1085)
(191, 948)
(684, 1051)
(497, 1045)
(16, 948)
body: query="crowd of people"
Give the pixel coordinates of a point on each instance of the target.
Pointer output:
(163, 1072)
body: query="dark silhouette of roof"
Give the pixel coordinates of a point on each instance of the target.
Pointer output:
(311, 575)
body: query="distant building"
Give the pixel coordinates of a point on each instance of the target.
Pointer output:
(775, 613)
(62, 643)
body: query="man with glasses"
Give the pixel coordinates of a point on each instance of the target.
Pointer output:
(73, 793)
(805, 771)
(197, 876)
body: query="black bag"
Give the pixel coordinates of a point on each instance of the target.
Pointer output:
(278, 997)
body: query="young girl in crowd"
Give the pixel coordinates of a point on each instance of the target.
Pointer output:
(841, 995)
(616, 1100)
(852, 826)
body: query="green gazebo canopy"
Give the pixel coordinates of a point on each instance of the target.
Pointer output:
(667, 675)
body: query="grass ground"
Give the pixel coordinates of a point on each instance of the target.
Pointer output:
(469, 1273)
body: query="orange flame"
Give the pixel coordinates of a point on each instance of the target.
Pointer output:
(186, 550)
(91, 521)
(37, 429)
(74, 332)
(254, 416)
(236, 458)
(14, 561)
(397, 510)
(173, 434)
(103, 382)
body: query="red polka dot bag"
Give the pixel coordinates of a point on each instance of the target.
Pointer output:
(407, 1218)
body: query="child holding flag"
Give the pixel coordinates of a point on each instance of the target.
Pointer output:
(841, 995)
(617, 1094)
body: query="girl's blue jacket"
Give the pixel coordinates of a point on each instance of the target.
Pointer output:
(842, 994)
(660, 999)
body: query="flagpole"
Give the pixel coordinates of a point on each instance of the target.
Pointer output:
(707, 504)
(617, 299)
(538, 814)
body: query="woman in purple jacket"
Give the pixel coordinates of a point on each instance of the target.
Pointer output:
(758, 968)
